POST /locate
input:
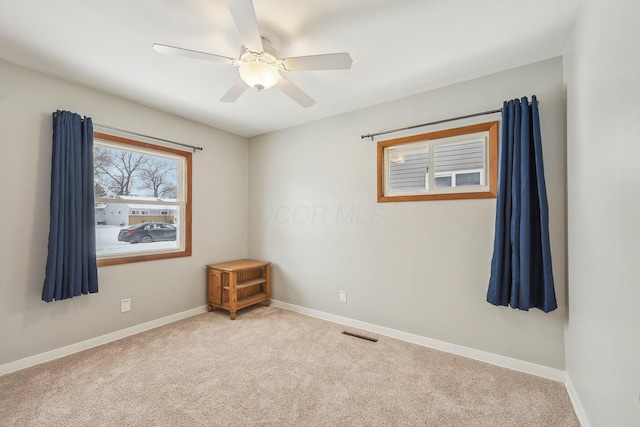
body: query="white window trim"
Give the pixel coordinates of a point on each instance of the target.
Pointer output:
(454, 175)
(430, 187)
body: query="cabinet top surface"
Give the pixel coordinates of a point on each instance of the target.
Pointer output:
(240, 264)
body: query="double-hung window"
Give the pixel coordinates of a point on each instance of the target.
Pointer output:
(456, 163)
(143, 200)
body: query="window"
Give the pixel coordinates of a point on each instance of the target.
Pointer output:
(149, 186)
(460, 178)
(459, 163)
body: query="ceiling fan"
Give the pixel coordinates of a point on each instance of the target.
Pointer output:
(258, 64)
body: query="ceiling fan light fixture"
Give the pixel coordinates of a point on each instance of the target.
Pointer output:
(259, 75)
(259, 65)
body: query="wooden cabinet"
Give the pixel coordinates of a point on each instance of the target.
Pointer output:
(234, 285)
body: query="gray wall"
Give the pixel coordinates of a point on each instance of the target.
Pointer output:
(28, 326)
(418, 267)
(602, 67)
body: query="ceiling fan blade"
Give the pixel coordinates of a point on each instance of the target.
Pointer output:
(235, 91)
(329, 61)
(187, 53)
(295, 93)
(244, 16)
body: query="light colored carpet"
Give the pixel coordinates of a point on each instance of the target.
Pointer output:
(272, 367)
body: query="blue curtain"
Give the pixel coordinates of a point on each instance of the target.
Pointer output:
(521, 272)
(71, 263)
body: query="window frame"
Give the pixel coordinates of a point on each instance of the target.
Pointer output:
(187, 213)
(454, 175)
(453, 193)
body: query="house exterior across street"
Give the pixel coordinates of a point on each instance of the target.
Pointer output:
(127, 213)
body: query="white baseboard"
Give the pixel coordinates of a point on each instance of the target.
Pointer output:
(483, 356)
(94, 342)
(494, 359)
(577, 404)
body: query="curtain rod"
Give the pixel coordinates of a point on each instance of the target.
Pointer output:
(372, 135)
(484, 113)
(194, 148)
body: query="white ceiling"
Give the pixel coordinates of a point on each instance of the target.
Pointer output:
(399, 48)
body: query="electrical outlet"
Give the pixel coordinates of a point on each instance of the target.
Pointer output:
(343, 296)
(125, 305)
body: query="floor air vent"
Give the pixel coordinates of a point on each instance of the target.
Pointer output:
(362, 337)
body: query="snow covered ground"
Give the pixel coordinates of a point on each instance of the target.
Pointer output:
(107, 242)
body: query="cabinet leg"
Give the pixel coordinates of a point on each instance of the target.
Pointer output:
(209, 308)
(267, 303)
(232, 315)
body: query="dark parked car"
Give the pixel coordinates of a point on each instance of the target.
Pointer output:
(146, 232)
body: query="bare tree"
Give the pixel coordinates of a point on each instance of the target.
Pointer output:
(169, 191)
(115, 170)
(159, 177)
(99, 190)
